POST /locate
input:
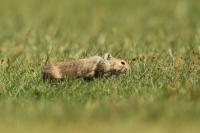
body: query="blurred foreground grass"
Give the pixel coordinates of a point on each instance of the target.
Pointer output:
(160, 39)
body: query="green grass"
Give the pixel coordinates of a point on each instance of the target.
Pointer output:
(159, 38)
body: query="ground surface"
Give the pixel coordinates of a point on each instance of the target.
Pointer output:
(159, 38)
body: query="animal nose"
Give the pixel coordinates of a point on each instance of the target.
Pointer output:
(128, 67)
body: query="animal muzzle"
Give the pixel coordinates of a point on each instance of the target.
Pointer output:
(124, 70)
(121, 71)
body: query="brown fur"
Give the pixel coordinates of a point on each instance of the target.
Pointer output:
(88, 68)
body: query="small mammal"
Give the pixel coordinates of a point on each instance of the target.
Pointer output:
(88, 68)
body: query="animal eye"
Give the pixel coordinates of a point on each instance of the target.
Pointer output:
(123, 63)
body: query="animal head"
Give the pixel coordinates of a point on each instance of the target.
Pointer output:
(115, 65)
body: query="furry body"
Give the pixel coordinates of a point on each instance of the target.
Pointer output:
(87, 68)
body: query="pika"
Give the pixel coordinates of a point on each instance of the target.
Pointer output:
(88, 68)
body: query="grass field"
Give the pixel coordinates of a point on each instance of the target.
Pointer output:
(159, 38)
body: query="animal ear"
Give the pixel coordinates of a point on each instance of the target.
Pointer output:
(107, 57)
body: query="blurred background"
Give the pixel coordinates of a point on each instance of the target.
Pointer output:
(100, 25)
(159, 38)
